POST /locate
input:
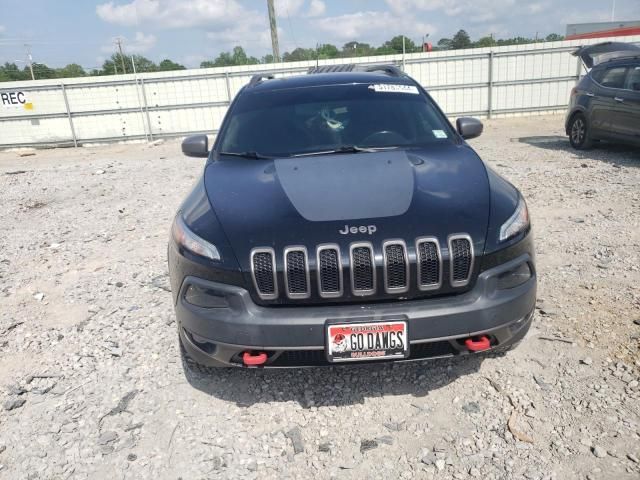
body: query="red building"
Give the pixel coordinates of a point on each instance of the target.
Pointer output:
(602, 29)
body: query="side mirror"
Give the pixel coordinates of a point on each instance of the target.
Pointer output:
(196, 146)
(469, 127)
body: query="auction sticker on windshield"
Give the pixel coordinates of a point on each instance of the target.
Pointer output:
(394, 88)
(367, 341)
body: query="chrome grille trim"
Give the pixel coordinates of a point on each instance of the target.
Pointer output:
(428, 286)
(271, 252)
(453, 258)
(368, 291)
(386, 259)
(329, 294)
(289, 275)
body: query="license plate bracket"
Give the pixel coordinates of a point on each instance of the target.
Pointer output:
(365, 339)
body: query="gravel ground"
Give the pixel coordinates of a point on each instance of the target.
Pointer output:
(92, 386)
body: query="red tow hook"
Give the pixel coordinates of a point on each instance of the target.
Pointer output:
(477, 344)
(253, 360)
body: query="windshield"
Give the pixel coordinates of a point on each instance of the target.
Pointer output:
(328, 118)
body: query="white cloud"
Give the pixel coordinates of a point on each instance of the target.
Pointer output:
(373, 26)
(173, 13)
(316, 8)
(141, 43)
(289, 8)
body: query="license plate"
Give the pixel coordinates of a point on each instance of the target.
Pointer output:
(352, 342)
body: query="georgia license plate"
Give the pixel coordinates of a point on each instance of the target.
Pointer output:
(367, 341)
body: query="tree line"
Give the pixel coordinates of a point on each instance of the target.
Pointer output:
(118, 64)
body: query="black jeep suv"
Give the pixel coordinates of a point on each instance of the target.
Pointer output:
(341, 218)
(605, 104)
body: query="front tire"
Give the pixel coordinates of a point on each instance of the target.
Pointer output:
(579, 133)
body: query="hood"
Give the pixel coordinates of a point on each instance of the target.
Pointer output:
(593, 55)
(311, 200)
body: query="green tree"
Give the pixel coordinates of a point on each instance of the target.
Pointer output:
(268, 58)
(461, 40)
(299, 54)
(395, 46)
(487, 41)
(357, 49)
(444, 44)
(553, 37)
(167, 65)
(40, 71)
(143, 64)
(70, 71)
(327, 50)
(9, 72)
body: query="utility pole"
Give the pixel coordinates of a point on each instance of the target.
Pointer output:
(274, 31)
(30, 61)
(119, 43)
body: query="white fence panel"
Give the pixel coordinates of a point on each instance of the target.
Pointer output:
(513, 80)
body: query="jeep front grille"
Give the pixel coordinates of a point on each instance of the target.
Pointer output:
(363, 273)
(396, 271)
(429, 262)
(296, 272)
(329, 269)
(263, 269)
(461, 258)
(396, 266)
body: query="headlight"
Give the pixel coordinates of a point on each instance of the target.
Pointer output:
(189, 240)
(517, 222)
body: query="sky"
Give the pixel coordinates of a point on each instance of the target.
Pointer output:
(190, 31)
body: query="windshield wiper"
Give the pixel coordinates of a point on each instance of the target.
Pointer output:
(250, 154)
(345, 149)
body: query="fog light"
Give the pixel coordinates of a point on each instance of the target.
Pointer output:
(515, 277)
(204, 297)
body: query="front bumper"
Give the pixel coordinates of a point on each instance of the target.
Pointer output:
(295, 336)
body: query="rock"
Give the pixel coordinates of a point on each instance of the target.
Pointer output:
(440, 464)
(367, 445)
(633, 458)
(132, 457)
(474, 472)
(100, 172)
(471, 407)
(295, 435)
(107, 437)
(13, 403)
(637, 321)
(38, 296)
(119, 284)
(599, 451)
(586, 361)
(155, 143)
(324, 447)
(387, 439)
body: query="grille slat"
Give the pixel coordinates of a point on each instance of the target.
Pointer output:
(429, 264)
(396, 267)
(329, 271)
(363, 275)
(296, 272)
(264, 273)
(461, 255)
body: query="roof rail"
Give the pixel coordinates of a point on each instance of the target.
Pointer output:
(259, 77)
(388, 69)
(350, 67)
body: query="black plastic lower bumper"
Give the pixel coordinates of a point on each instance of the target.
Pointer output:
(295, 336)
